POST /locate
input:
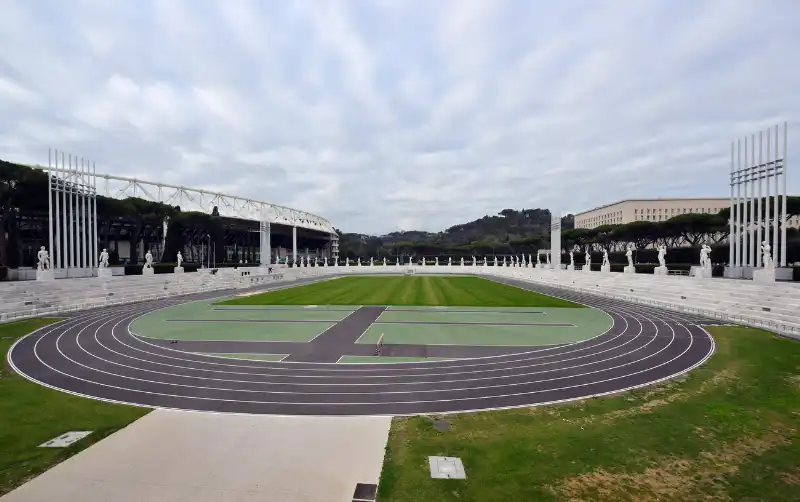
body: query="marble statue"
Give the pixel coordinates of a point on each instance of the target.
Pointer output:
(148, 259)
(548, 257)
(325, 262)
(474, 262)
(44, 259)
(571, 258)
(588, 257)
(462, 261)
(538, 260)
(178, 258)
(766, 258)
(485, 261)
(495, 261)
(505, 262)
(522, 260)
(704, 261)
(530, 259)
(662, 253)
(436, 261)
(384, 261)
(450, 261)
(358, 263)
(103, 259)
(606, 263)
(347, 261)
(629, 256)
(371, 261)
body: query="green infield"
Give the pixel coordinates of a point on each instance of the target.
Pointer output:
(412, 291)
(729, 431)
(31, 415)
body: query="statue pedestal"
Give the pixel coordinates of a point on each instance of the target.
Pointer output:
(178, 270)
(700, 272)
(660, 271)
(148, 271)
(629, 269)
(605, 269)
(540, 265)
(104, 273)
(764, 275)
(586, 268)
(570, 267)
(45, 275)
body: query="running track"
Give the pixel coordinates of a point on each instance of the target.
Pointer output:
(93, 354)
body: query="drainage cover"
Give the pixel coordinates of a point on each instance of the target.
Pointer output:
(65, 439)
(446, 468)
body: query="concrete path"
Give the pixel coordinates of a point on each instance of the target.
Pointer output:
(180, 456)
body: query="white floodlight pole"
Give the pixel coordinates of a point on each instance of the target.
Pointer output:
(731, 217)
(759, 216)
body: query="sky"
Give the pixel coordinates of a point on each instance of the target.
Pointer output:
(385, 115)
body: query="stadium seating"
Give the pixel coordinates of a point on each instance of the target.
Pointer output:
(22, 299)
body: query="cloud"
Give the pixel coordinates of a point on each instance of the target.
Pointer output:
(404, 114)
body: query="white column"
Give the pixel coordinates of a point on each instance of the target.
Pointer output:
(555, 239)
(783, 199)
(767, 215)
(268, 244)
(70, 219)
(739, 202)
(57, 253)
(81, 219)
(731, 217)
(93, 216)
(294, 245)
(759, 215)
(50, 207)
(752, 171)
(746, 209)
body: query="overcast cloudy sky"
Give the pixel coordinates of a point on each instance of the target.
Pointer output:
(392, 114)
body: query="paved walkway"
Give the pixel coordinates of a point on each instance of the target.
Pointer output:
(182, 456)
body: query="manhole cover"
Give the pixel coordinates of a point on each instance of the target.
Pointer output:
(441, 425)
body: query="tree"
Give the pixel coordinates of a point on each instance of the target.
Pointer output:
(695, 227)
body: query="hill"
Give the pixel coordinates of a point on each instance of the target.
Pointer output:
(491, 234)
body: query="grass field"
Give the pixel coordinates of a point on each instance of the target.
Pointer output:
(727, 432)
(31, 415)
(410, 291)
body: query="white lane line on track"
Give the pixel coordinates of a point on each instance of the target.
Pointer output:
(277, 392)
(655, 335)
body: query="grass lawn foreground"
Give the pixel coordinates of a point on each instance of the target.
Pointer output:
(408, 291)
(729, 431)
(31, 415)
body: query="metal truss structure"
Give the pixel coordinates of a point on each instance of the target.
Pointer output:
(193, 199)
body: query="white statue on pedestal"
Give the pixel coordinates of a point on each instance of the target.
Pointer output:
(662, 253)
(103, 259)
(450, 261)
(548, 257)
(325, 262)
(606, 263)
(44, 259)
(766, 257)
(462, 261)
(704, 261)
(148, 259)
(474, 262)
(178, 259)
(572, 258)
(495, 261)
(505, 261)
(384, 261)
(436, 261)
(588, 257)
(358, 264)
(485, 261)
(629, 255)
(371, 262)
(538, 260)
